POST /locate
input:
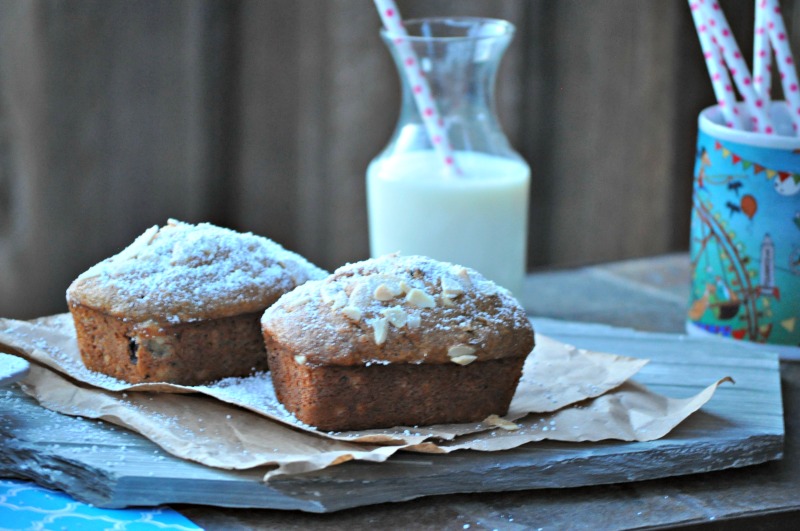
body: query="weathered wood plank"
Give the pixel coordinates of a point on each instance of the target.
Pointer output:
(265, 147)
(263, 115)
(742, 425)
(113, 116)
(598, 167)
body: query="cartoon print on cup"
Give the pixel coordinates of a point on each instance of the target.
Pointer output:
(745, 242)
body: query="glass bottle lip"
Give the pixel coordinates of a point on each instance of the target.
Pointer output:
(489, 28)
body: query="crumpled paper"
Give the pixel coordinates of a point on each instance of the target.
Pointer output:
(565, 394)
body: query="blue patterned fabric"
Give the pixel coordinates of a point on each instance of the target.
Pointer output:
(27, 506)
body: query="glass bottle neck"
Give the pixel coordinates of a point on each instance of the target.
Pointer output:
(459, 69)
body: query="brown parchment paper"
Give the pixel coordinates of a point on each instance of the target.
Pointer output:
(565, 394)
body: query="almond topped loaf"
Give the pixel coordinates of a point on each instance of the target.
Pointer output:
(394, 341)
(182, 303)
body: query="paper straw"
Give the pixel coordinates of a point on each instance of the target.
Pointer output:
(762, 54)
(784, 60)
(427, 107)
(716, 70)
(723, 37)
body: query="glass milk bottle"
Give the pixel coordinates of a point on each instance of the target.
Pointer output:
(417, 204)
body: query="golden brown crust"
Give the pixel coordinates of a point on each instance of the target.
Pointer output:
(182, 303)
(185, 354)
(428, 311)
(182, 273)
(396, 341)
(341, 398)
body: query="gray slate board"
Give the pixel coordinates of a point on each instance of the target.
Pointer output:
(112, 467)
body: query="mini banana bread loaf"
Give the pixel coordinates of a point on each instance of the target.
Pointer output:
(182, 304)
(396, 341)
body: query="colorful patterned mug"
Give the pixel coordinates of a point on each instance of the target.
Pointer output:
(745, 233)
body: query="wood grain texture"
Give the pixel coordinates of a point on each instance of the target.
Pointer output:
(760, 496)
(742, 425)
(263, 115)
(610, 167)
(112, 122)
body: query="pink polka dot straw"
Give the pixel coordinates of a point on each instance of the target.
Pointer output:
(784, 60)
(762, 54)
(428, 109)
(722, 36)
(716, 69)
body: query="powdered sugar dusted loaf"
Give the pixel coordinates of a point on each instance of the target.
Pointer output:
(182, 272)
(396, 340)
(182, 303)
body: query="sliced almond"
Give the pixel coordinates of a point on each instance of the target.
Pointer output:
(351, 312)
(414, 320)
(447, 301)
(451, 287)
(326, 294)
(464, 275)
(386, 293)
(380, 327)
(139, 245)
(297, 302)
(461, 350)
(466, 359)
(420, 299)
(494, 420)
(300, 359)
(396, 316)
(404, 287)
(339, 300)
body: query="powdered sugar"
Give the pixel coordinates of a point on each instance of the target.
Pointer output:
(411, 304)
(183, 272)
(406, 280)
(254, 392)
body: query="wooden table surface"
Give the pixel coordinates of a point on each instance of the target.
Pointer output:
(650, 295)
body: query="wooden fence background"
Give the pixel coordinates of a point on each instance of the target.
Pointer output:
(263, 115)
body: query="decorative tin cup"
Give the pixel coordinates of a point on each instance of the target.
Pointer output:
(745, 233)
